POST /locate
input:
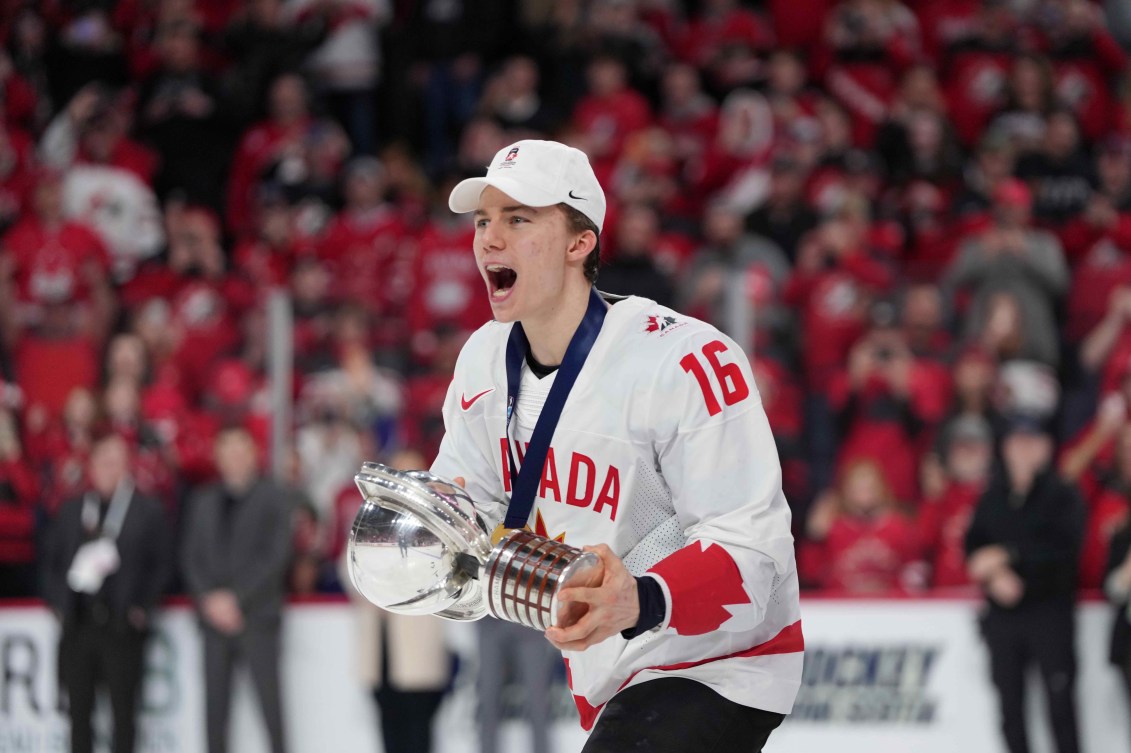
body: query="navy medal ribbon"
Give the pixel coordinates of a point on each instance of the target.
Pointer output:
(525, 481)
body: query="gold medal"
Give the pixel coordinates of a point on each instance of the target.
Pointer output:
(500, 533)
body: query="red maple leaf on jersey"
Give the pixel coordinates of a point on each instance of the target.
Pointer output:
(703, 580)
(540, 529)
(652, 325)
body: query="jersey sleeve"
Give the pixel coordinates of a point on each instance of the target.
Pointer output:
(717, 454)
(465, 452)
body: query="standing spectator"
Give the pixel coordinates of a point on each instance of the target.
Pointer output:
(1022, 549)
(1118, 588)
(1011, 256)
(265, 44)
(182, 115)
(236, 551)
(348, 62)
(107, 563)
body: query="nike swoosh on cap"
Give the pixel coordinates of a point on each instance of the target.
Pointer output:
(579, 198)
(468, 403)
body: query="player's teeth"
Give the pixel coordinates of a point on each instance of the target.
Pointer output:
(501, 293)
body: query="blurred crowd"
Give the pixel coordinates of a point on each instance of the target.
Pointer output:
(919, 212)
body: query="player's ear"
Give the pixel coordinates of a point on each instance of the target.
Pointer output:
(581, 246)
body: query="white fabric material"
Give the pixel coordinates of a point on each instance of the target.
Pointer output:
(537, 174)
(637, 422)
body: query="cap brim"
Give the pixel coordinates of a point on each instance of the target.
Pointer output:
(465, 196)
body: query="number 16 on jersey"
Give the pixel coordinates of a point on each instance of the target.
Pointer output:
(731, 381)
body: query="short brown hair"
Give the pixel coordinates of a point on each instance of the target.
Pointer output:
(579, 223)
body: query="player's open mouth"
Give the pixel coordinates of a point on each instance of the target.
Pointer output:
(501, 279)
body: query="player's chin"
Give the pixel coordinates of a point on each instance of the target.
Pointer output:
(505, 310)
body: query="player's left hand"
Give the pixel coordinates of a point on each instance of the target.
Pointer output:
(613, 605)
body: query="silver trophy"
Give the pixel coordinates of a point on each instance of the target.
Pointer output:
(418, 547)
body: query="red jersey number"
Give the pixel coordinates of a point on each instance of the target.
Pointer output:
(731, 381)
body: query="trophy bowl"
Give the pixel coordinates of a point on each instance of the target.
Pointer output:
(418, 547)
(415, 544)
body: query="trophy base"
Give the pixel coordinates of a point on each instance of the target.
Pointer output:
(524, 574)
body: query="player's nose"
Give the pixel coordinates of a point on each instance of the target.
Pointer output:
(491, 237)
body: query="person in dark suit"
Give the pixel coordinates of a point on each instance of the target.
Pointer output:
(107, 562)
(1022, 548)
(1117, 584)
(237, 546)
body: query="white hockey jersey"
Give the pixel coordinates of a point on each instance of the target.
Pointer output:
(664, 453)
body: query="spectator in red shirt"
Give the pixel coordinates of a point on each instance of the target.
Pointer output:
(686, 112)
(57, 448)
(282, 134)
(833, 283)
(727, 42)
(1085, 58)
(200, 304)
(945, 511)
(447, 285)
(1105, 483)
(869, 547)
(867, 44)
(609, 112)
(421, 423)
(976, 67)
(19, 503)
(266, 258)
(1098, 240)
(787, 89)
(368, 250)
(885, 403)
(151, 460)
(55, 260)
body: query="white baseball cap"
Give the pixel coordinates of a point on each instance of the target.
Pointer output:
(537, 174)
